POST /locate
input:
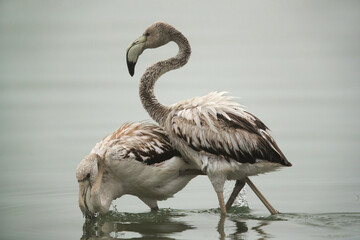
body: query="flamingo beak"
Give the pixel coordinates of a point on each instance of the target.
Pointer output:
(133, 52)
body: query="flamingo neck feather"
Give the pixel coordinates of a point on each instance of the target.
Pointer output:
(156, 110)
(96, 192)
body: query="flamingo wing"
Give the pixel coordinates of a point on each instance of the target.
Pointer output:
(217, 125)
(143, 142)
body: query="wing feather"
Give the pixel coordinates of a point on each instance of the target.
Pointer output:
(143, 142)
(222, 127)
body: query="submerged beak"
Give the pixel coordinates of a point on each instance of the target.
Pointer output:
(133, 52)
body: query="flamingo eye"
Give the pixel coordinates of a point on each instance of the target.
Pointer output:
(147, 34)
(88, 175)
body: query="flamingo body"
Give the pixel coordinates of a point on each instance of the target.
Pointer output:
(213, 132)
(137, 159)
(222, 139)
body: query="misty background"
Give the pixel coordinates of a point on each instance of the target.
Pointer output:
(64, 85)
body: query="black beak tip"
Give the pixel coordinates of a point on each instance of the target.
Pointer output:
(131, 67)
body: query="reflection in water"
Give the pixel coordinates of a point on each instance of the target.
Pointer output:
(220, 227)
(261, 231)
(241, 228)
(239, 223)
(152, 225)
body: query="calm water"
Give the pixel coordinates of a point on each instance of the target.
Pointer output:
(64, 85)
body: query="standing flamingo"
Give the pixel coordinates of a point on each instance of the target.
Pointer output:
(137, 159)
(213, 132)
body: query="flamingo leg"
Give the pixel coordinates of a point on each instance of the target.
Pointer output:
(238, 186)
(220, 196)
(150, 202)
(154, 209)
(271, 209)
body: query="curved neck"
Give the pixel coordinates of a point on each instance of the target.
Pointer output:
(156, 110)
(98, 204)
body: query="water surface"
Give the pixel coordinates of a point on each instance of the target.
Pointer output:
(64, 85)
(240, 223)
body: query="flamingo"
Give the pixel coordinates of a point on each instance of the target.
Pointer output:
(136, 159)
(213, 132)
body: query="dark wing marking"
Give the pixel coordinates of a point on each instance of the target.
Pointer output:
(151, 157)
(242, 137)
(150, 145)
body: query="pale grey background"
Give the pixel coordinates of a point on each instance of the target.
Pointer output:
(64, 85)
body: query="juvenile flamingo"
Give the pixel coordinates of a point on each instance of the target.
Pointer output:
(136, 159)
(213, 132)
